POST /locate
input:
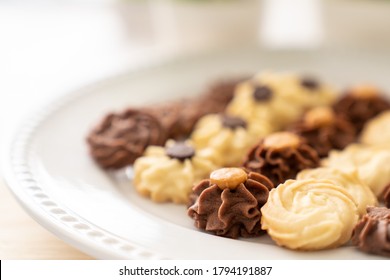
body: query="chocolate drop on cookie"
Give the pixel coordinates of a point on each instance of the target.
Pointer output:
(232, 122)
(180, 151)
(309, 83)
(262, 93)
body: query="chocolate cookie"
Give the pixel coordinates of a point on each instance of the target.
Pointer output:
(280, 156)
(228, 204)
(372, 233)
(218, 96)
(386, 196)
(360, 104)
(121, 138)
(324, 131)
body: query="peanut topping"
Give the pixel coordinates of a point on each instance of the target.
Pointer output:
(228, 177)
(364, 91)
(318, 117)
(281, 140)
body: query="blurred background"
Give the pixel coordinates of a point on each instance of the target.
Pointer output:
(50, 47)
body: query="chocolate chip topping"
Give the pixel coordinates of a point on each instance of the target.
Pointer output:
(232, 122)
(122, 137)
(281, 163)
(372, 233)
(229, 212)
(310, 83)
(262, 93)
(180, 151)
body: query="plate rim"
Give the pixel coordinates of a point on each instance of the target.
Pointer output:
(61, 221)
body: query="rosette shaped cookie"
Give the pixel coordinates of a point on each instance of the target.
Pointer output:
(168, 174)
(361, 193)
(178, 117)
(219, 95)
(121, 138)
(228, 204)
(324, 131)
(377, 130)
(371, 163)
(372, 232)
(277, 98)
(360, 104)
(229, 137)
(386, 196)
(309, 215)
(280, 156)
(302, 91)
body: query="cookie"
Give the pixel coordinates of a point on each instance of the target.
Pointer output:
(168, 174)
(230, 137)
(228, 204)
(324, 131)
(309, 215)
(371, 163)
(360, 192)
(119, 139)
(360, 104)
(280, 156)
(372, 233)
(377, 130)
(278, 98)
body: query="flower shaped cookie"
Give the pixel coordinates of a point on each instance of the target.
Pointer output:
(168, 174)
(228, 204)
(309, 215)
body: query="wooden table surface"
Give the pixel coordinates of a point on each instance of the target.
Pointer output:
(23, 238)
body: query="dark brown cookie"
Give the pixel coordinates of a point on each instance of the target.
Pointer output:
(218, 95)
(280, 156)
(386, 196)
(324, 131)
(372, 233)
(360, 104)
(121, 138)
(229, 204)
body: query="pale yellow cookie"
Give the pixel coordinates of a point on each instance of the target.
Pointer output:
(371, 163)
(377, 130)
(309, 215)
(278, 98)
(168, 174)
(229, 137)
(361, 193)
(303, 92)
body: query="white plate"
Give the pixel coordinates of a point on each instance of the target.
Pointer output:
(51, 174)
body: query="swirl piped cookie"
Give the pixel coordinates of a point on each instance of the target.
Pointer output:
(372, 232)
(371, 163)
(280, 156)
(360, 104)
(228, 136)
(377, 130)
(278, 98)
(324, 131)
(309, 215)
(228, 204)
(168, 174)
(360, 192)
(119, 139)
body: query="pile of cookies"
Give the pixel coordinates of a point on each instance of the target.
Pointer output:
(277, 153)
